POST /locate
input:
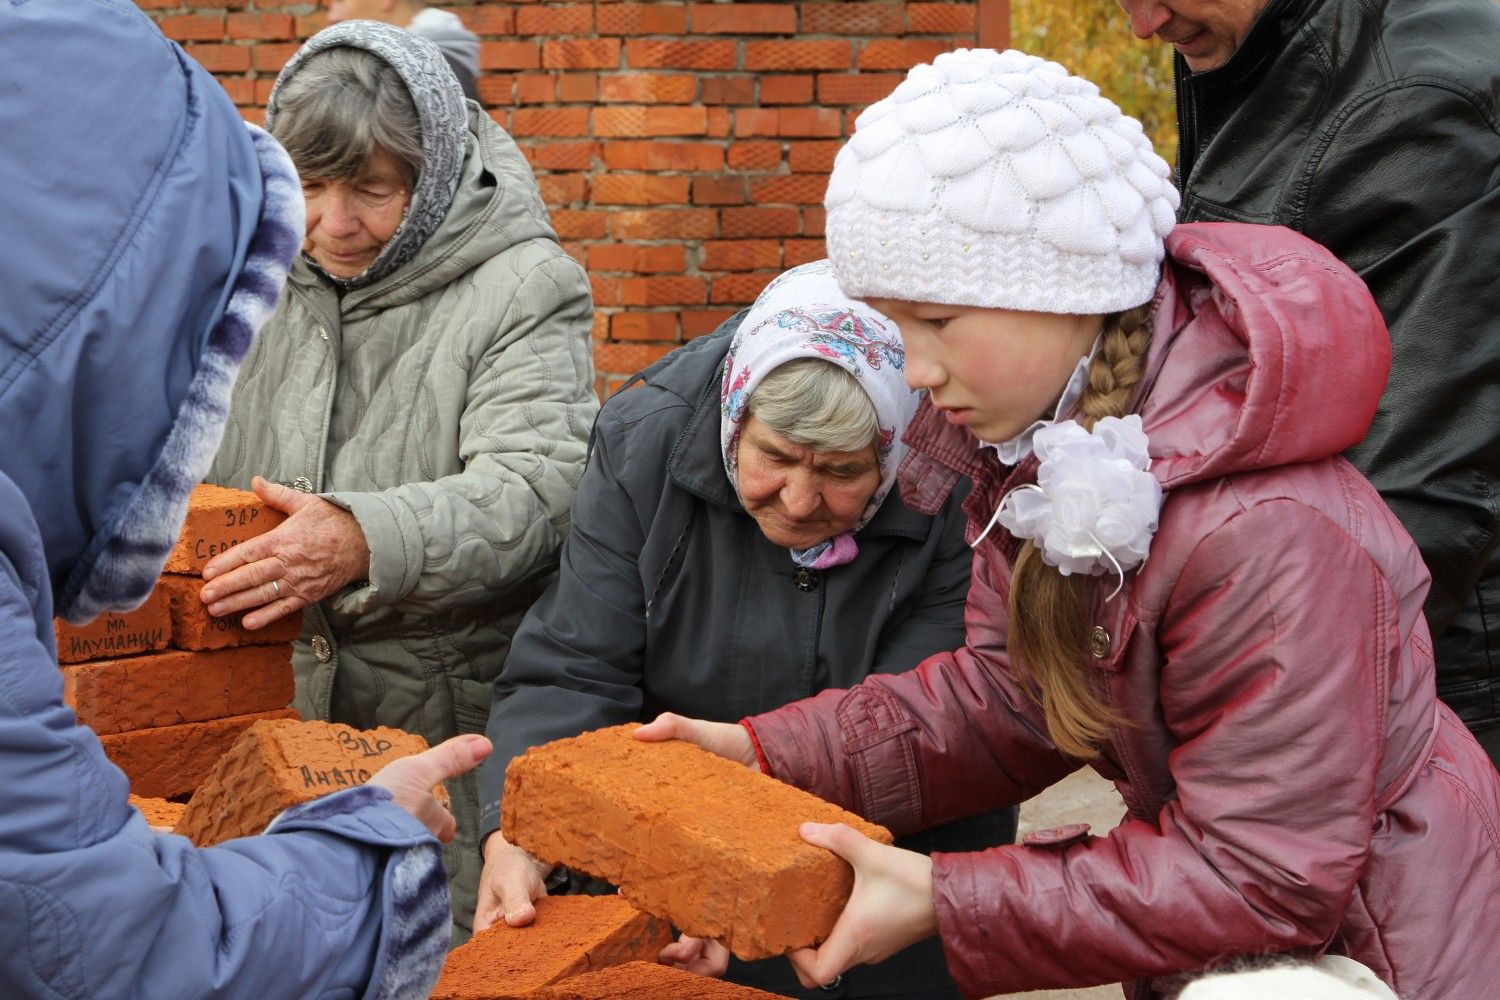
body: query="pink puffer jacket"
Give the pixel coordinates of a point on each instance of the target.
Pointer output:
(1293, 784)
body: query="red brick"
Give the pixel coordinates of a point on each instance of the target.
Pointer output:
(575, 19)
(307, 25)
(536, 88)
(488, 19)
(645, 88)
(255, 116)
(757, 121)
(637, 258)
(582, 53)
(116, 633)
(646, 981)
(562, 155)
(813, 220)
(646, 155)
(887, 53)
(627, 359)
(576, 87)
(636, 120)
(167, 689)
(159, 813)
(793, 189)
(606, 291)
(194, 628)
(269, 26)
(728, 89)
(757, 221)
(241, 90)
(740, 255)
(172, 760)
(664, 224)
(664, 290)
(222, 58)
(802, 252)
(812, 157)
(599, 329)
(856, 88)
(640, 19)
(702, 841)
(550, 121)
(263, 87)
(496, 88)
(786, 89)
(639, 189)
(718, 123)
(562, 189)
(275, 765)
(940, 18)
(809, 121)
(572, 934)
(739, 289)
(510, 55)
(795, 55)
(743, 18)
(578, 251)
(192, 28)
(718, 190)
(697, 322)
(217, 520)
(580, 225)
(270, 57)
(606, 386)
(651, 54)
(870, 18)
(755, 155)
(643, 326)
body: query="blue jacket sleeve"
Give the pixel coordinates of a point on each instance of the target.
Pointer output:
(345, 897)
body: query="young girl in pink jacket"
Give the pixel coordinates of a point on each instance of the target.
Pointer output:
(1178, 581)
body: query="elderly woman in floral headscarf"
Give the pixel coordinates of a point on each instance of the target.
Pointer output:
(736, 545)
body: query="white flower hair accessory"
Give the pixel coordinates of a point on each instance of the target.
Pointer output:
(1094, 506)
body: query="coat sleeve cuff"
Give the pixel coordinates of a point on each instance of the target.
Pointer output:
(760, 755)
(396, 551)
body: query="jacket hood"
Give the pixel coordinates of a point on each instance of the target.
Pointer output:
(445, 30)
(441, 111)
(149, 232)
(497, 205)
(1266, 351)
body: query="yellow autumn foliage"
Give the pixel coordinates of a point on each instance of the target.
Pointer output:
(1092, 39)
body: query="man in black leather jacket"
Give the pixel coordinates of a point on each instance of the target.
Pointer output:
(1373, 126)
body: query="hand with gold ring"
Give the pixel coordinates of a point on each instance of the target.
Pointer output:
(317, 551)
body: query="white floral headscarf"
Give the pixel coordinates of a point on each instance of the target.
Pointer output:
(802, 314)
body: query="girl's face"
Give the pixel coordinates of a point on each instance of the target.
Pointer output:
(994, 371)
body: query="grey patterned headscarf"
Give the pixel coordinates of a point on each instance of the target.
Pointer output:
(440, 109)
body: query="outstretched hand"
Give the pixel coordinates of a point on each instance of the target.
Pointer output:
(723, 738)
(410, 780)
(319, 549)
(890, 908)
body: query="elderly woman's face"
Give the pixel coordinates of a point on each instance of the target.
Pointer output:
(797, 496)
(349, 221)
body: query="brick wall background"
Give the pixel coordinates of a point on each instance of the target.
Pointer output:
(683, 148)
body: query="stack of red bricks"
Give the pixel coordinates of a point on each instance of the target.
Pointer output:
(167, 687)
(682, 147)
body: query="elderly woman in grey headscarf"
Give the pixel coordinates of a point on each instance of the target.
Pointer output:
(419, 404)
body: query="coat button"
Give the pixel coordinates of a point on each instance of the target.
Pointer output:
(321, 649)
(302, 485)
(806, 579)
(1099, 643)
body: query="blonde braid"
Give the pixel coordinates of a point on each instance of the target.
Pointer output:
(1050, 614)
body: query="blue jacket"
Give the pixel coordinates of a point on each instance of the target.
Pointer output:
(146, 233)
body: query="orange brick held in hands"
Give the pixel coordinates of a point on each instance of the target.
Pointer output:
(194, 628)
(116, 633)
(158, 812)
(172, 760)
(217, 520)
(572, 934)
(167, 689)
(276, 765)
(704, 842)
(647, 981)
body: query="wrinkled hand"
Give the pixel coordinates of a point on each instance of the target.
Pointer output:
(727, 739)
(410, 780)
(510, 883)
(315, 552)
(889, 909)
(699, 956)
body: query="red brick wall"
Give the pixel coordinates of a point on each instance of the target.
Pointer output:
(682, 147)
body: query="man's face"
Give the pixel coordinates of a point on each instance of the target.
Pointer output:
(354, 10)
(1205, 32)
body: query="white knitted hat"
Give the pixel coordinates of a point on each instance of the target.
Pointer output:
(996, 179)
